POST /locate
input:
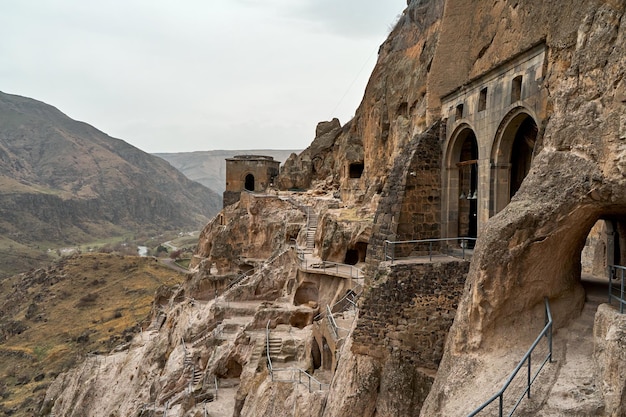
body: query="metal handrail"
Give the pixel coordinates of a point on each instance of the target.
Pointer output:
(312, 381)
(355, 273)
(267, 349)
(388, 243)
(240, 277)
(615, 272)
(332, 323)
(546, 332)
(351, 293)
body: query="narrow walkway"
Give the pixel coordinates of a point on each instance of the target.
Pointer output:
(574, 393)
(311, 263)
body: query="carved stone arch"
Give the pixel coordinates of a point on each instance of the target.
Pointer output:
(453, 145)
(461, 182)
(512, 151)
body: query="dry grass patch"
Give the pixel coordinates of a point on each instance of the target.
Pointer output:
(52, 317)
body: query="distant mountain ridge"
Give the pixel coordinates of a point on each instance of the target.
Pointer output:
(65, 182)
(209, 167)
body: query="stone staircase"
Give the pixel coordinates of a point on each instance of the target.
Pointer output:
(311, 229)
(197, 376)
(275, 347)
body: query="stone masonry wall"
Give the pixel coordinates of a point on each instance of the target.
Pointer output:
(409, 310)
(410, 206)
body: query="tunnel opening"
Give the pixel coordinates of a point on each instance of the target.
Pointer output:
(602, 257)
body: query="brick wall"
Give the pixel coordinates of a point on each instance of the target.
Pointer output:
(410, 207)
(409, 310)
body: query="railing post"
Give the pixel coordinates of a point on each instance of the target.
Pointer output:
(463, 245)
(501, 404)
(528, 380)
(610, 276)
(430, 251)
(621, 296)
(393, 253)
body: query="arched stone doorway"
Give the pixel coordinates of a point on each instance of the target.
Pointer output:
(463, 184)
(512, 155)
(249, 182)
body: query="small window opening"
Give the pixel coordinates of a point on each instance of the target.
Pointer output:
(356, 169)
(482, 100)
(459, 112)
(516, 89)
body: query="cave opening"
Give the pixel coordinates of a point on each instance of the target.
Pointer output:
(316, 355)
(307, 293)
(356, 169)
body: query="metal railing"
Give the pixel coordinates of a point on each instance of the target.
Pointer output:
(332, 323)
(617, 274)
(431, 246)
(300, 376)
(530, 377)
(243, 275)
(267, 349)
(348, 300)
(330, 268)
(295, 374)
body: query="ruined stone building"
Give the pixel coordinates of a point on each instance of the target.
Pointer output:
(252, 173)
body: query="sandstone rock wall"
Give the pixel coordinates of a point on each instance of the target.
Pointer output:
(250, 230)
(532, 248)
(393, 110)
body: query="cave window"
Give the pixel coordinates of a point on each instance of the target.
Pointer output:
(459, 112)
(249, 182)
(516, 89)
(356, 169)
(482, 100)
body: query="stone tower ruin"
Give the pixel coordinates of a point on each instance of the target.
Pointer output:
(252, 173)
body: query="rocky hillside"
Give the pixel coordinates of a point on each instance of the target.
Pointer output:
(52, 317)
(64, 182)
(209, 167)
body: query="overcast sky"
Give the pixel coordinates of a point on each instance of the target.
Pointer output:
(191, 75)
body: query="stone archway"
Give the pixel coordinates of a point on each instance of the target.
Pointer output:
(462, 184)
(249, 182)
(512, 154)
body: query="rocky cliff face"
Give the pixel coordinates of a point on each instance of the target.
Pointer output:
(393, 110)
(391, 359)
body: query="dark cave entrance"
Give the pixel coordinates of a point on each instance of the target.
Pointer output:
(356, 254)
(356, 169)
(316, 355)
